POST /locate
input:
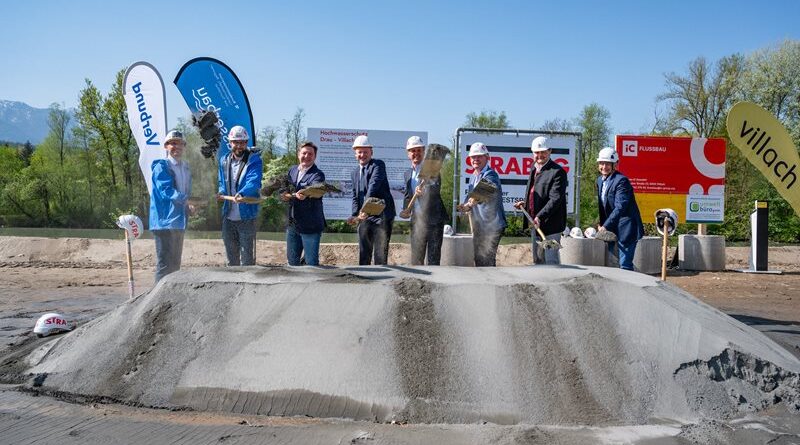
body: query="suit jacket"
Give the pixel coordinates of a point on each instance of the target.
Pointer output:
(489, 216)
(620, 214)
(248, 183)
(306, 215)
(375, 186)
(549, 198)
(430, 202)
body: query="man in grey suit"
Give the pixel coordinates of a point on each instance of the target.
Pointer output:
(428, 213)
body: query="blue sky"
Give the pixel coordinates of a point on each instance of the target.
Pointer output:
(390, 65)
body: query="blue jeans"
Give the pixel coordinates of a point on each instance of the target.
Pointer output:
(169, 248)
(240, 240)
(298, 243)
(625, 254)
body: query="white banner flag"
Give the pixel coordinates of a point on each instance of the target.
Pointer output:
(147, 115)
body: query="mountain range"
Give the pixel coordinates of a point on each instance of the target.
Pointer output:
(20, 122)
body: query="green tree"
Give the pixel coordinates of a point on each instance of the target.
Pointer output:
(487, 119)
(593, 124)
(58, 121)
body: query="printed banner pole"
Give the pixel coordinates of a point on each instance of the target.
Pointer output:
(208, 84)
(146, 101)
(764, 141)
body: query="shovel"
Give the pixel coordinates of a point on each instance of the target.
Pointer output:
(243, 200)
(430, 168)
(544, 243)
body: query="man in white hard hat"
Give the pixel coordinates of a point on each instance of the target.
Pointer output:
(619, 213)
(488, 218)
(306, 219)
(169, 204)
(370, 181)
(545, 200)
(428, 214)
(239, 176)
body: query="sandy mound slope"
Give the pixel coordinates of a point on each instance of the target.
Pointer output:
(546, 345)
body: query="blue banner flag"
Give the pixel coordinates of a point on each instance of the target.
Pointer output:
(208, 84)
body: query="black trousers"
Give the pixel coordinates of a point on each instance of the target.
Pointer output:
(373, 241)
(426, 241)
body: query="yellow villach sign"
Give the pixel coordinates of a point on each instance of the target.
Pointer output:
(768, 146)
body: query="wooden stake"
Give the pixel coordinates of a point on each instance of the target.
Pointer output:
(664, 251)
(130, 264)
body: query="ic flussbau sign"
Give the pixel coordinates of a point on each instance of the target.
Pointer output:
(147, 114)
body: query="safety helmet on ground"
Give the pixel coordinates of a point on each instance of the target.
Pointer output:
(132, 224)
(590, 232)
(478, 149)
(608, 154)
(576, 232)
(174, 135)
(668, 215)
(540, 143)
(414, 142)
(51, 323)
(238, 133)
(362, 141)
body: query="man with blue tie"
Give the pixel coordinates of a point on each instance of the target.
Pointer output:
(488, 218)
(428, 214)
(619, 213)
(370, 181)
(306, 217)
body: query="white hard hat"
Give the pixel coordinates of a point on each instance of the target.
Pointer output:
(362, 141)
(669, 214)
(478, 149)
(448, 230)
(51, 323)
(590, 232)
(414, 142)
(238, 133)
(132, 224)
(174, 135)
(576, 232)
(540, 143)
(608, 154)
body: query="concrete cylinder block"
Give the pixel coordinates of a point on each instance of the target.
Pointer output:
(701, 252)
(583, 251)
(647, 258)
(457, 250)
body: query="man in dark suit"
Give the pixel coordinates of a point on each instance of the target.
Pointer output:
(619, 213)
(370, 181)
(306, 219)
(428, 214)
(545, 199)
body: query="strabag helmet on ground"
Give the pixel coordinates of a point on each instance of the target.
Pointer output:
(51, 323)
(132, 224)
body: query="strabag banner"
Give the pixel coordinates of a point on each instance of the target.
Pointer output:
(208, 84)
(511, 157)
(765, 142)
(146, 102)
(682, 173)
(336, 159)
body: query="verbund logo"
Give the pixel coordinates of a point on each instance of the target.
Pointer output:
(630, 148)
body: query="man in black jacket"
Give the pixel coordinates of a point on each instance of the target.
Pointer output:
(370, 181)
(428, 213)
(306, 217)
(545, 199)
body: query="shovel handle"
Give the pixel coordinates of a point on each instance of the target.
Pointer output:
(245, 199)
(533, 224)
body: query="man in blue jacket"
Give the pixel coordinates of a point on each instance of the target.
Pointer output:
(619, 213)
(240, 177)
(169, 207)
(488, 218)
(306, 219)
(370, 181)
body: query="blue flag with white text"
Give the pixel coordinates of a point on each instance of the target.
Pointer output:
(208, 84)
